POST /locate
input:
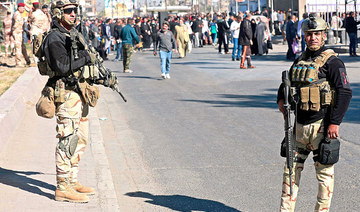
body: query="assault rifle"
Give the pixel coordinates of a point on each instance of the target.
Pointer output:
(288, 127)
(106, 77)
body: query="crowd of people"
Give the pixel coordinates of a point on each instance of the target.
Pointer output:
(189, 31)
(241, 35)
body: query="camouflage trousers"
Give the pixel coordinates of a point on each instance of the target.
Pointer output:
(72, 119)
(308, 138)
(20, 49)
(9, 41)
(128, 50)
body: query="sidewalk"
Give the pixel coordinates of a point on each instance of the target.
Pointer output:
(27, 155)
(27, 150)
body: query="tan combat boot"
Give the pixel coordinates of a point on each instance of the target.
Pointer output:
(65, 193)
(82, 189)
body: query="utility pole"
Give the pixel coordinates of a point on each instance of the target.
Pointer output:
(236, 7)
(346, 2)
(192, 6)
(272, 19)
(112, 8)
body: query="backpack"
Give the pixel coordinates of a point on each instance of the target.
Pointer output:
(37, 43)
(42, 64)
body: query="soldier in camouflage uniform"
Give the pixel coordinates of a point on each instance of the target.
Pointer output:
(319, 81)
(37, 21)
(17, 31)
(9, 39)
(127, 36)
(46, 26)
(71, 108)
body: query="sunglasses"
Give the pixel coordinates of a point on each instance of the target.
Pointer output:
(70, 10)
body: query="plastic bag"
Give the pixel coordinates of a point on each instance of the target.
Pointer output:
(295, 47)
(189, 46)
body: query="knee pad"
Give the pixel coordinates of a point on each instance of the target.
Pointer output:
(68, 144)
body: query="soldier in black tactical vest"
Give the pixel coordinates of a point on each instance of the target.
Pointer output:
(65, 58)
(320, 94)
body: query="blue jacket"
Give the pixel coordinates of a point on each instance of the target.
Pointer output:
(128, 34)
(290, 31)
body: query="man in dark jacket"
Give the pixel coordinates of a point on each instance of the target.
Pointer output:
(154, 29)
(290, 36)
(196, 28)
(146, 32)
(117, 32)
(245, 39)
(223, 27)
(351, 29)
(173, 23)
(138, 33)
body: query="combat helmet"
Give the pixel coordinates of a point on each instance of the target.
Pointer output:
(63, 3)
(57, 7)
(314, 24)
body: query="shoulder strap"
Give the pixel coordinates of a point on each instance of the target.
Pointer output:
(301, 56)
(324, 56)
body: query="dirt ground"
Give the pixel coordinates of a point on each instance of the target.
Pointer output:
(8, 73)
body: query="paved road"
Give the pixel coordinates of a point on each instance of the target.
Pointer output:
(208, 138)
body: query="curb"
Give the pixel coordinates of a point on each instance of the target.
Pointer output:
(23, 94)
(14, 101)
(105, 185)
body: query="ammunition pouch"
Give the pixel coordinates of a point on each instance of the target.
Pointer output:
(328, 152)
(90, 93)
(44, 68)
(68, 144)
(316, 95)
(45, 107)
(90, 72)
(59, 91)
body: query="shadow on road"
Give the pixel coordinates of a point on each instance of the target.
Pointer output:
(270, 57)
(140, 77)
(267, 100)
(20, 179)
(200, 63)
(183, 203)
(353, 113)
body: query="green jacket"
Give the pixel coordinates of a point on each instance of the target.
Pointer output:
(128, 34)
